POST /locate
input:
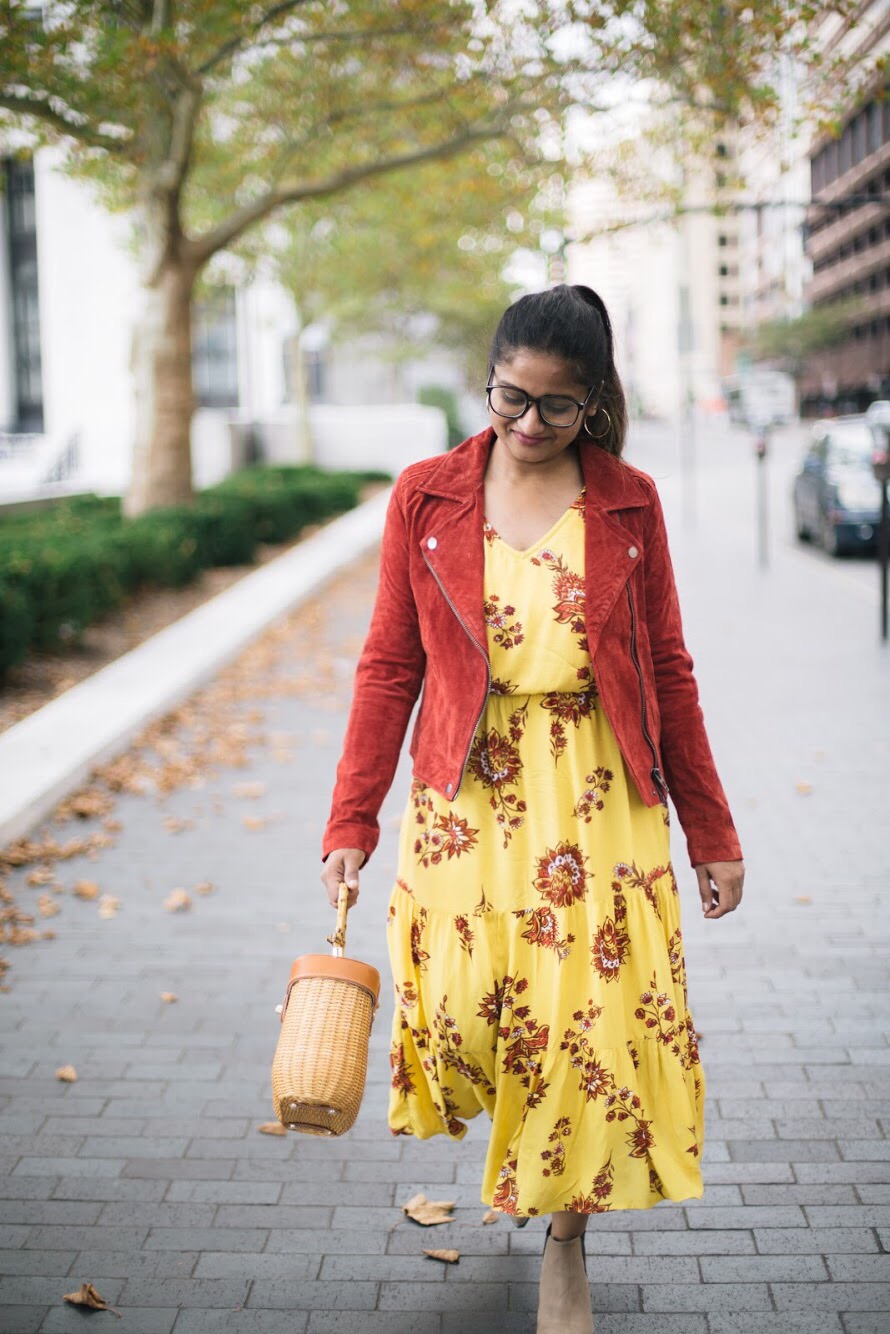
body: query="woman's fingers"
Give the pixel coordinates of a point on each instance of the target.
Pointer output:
(342, 866)
(720, 887)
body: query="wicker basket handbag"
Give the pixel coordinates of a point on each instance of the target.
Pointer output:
(320, 1063)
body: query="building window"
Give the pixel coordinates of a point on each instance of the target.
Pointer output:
(21, 231)
(215, 350)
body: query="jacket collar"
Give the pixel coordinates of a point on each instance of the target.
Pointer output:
(459, 475)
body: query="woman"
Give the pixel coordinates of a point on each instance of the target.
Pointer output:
(534, 928)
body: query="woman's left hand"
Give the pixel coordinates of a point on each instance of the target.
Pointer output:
(720, 886)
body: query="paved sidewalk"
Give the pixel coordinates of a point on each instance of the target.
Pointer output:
(148, 1176)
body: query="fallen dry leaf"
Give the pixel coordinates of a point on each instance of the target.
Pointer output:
(272, 1128)
(91, 802)
(177, 901)
(67, 1074)
(88, 1296)
(255, 822)
(169, 997)
(428, 1212)
(803, 788)
(47, 906)
(249, 789)
(108, 906)
(491, 1216)
(86, 889)
(41, 875)
(174, 824)
(205, 887)
(449, 1257)
(802, 898)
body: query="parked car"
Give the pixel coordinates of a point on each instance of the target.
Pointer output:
(837, 500)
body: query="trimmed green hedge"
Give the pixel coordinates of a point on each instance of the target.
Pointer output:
(63, 567)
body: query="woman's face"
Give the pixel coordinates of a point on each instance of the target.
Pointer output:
(529, 438)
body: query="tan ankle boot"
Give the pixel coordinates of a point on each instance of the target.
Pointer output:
(564, 1295)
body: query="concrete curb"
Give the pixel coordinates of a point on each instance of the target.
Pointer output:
(47, 754)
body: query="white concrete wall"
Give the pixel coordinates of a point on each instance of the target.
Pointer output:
(387, 436)
(87, 286)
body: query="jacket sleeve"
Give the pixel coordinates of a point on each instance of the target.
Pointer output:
(387, 682)
(686, 753)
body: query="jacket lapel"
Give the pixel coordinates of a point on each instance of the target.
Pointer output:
(450, 531)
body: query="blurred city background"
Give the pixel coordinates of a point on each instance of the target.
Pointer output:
(250, 261)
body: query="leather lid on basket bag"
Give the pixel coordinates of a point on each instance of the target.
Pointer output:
(326, 965)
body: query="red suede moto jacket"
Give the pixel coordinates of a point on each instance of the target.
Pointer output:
(428, 630)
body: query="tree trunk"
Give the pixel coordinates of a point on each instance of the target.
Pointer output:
(161, 362)
(300, 384)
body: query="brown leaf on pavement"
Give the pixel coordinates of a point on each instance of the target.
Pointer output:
(205, 887)
(249, 789)
(802, 898)
(47, 906)
(41, 875)
(178, 901)
(89, 1297)
(803, 788)
(491, 1216)
(108, 906)
(67, 1074)
(174, 824)
(86, 889)
(91, 802)
(272, 1128)
(169, 997)
(428, 1212)
(448, 1256)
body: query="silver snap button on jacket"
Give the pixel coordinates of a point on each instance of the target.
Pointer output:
(432, 543)
(632, 552)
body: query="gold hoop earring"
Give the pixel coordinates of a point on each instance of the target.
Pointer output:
(600, 434)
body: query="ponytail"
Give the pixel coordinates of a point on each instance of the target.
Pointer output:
(572, 323)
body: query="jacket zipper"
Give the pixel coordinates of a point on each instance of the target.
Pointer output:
(655, 771)
(484, 653)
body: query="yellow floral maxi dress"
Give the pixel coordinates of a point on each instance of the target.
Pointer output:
(534, 929)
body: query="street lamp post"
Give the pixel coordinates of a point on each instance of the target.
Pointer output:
(761, 450)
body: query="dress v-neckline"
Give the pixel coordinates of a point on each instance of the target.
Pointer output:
(491, 531)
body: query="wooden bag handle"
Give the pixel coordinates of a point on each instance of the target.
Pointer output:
(337, 940)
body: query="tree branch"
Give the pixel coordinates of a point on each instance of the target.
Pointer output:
(42, 110)
(234, 43)
(201, 248)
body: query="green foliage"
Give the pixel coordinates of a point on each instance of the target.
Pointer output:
(793, 341)
(64, 567)
(438, 396)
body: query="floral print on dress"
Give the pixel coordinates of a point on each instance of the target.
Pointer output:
(507, 634)
(535, 936)
(443, 834)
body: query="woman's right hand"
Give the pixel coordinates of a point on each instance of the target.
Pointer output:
(342, 866)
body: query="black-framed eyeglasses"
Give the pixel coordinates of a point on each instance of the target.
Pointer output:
(555, 409)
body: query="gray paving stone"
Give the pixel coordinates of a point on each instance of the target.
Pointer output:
(748, 1216)
(786, 1323)
(290, 1241)
(700, 1242)
(841, 1216)
(68, 1167)
(307, 1295)
(813, 1240)
(166, 1169)
(190, 1292)
(222, 1192)
(205, 1239)
(859, 1268)
(22, 1261)
(707, 1297)
(48, 1211)
(147, 1320)
(136, 1263)
(389, 1322)
(783, 1151)
(763, 1269)
(832, 1297)
(241, 1322)
(23, 1319)
(46, 1289)
(865, 1323)
(803, 1193)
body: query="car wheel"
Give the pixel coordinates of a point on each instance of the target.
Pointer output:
(803, 532)
(830, 543)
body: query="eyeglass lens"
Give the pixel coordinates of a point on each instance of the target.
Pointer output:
(555, 411)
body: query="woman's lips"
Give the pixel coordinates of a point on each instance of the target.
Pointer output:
(529, 439)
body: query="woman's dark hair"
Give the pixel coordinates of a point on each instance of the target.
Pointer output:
(572, 323)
